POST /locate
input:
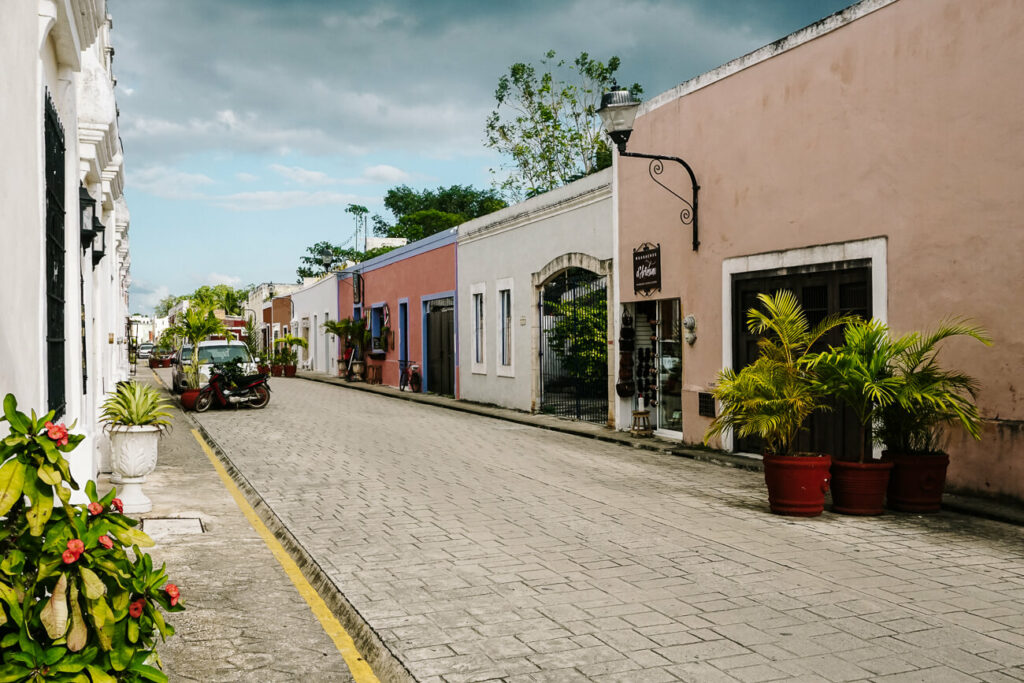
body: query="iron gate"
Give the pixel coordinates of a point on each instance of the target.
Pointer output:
(573, 312)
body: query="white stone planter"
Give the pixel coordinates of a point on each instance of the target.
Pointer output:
(133, 456)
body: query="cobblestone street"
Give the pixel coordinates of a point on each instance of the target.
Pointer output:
(479, 549)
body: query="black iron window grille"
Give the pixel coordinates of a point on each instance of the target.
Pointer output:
(54, 150)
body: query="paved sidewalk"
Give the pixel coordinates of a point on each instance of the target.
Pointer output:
(481, 550)
(245, 620)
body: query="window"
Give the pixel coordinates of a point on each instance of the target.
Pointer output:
(54, 144)
(478, 328)
(505, 322)
(377, 329)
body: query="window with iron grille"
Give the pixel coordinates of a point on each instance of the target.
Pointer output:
(505, 298)
(53, 142)
(478, 328)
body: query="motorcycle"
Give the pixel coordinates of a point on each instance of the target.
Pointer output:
(233, 388)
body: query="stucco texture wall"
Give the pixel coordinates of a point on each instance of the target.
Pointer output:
(906, 124)
(310, 306)
(515, 250)
(420, 275)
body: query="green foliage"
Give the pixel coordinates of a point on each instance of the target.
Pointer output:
(134, 404)
(353, 332)
(251, 336)
(164, 306)
(772, 397)
(286, 344)
(546, 122)
(197, 324)
(579, 336)
(416, 226)
(931, 396)
(74, 604)
(424, 208)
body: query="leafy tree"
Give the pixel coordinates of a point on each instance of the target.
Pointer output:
(578, 335)
(546, 122)
(421, 213)
(164, 306)
(313, 265)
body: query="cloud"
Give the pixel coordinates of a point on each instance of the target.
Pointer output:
(167, 183)
(303, 176)
(382, 173)
(219, 279)
(275, 200)
(145, 297)
(246, 177)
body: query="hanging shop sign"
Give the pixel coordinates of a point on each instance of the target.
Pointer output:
(647, 269)
(357, 288)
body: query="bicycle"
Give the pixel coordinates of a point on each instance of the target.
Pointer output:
(410, 376)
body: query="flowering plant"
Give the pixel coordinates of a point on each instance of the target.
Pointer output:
(79, 600)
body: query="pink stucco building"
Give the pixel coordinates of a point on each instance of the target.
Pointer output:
(411, 291)
(873, 162)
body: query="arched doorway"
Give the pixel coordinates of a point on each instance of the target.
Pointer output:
(573, 345)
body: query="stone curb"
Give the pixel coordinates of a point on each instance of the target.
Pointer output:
(384, 663)
(967, 505)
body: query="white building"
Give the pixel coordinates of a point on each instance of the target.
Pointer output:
(506, 261)
(64, 269)
(312, 306)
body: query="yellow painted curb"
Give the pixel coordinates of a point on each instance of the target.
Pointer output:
(361, 671)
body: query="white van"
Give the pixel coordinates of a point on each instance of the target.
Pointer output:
(210, 352)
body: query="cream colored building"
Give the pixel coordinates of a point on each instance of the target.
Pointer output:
(63, 283)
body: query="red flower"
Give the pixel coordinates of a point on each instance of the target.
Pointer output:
(76, 546)
(95, 508)
(58, 433)
(172, 593)
(106, 541)
(135, 609)
(69, 556)
(117, 505)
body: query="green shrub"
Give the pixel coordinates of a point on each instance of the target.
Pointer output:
(79, 600)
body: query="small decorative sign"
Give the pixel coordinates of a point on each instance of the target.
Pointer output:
(647, 269)
(357, 288)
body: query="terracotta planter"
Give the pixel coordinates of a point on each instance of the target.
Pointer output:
(277, 370)
(917, 481)
(263, 369)
(859, 488)
(165, 363)
(289, 370)
(188, 399)
(153, 362)
(797, 484)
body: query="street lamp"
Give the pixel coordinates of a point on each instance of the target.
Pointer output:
(87, 207)
(101, 232)
(618, 111)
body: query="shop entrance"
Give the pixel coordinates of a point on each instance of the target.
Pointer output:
(440, 342)
(658, 363)
(573, 311)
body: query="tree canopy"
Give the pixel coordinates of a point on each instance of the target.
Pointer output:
(546, 122)
(312, 265)
(421, 213)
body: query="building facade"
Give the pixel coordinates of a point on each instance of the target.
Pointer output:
(314, 305)
(871, 163)
(535, 312)
(408, 298)
(65, 270)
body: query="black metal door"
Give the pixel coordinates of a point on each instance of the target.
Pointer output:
(54, 143)
(574, 346)
(441, 347)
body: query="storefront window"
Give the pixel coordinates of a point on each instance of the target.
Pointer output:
(658, 362)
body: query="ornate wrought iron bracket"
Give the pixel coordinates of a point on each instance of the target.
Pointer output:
(688, 216)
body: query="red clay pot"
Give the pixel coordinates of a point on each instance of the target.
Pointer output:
(289, 370)
(859, 488)
(276, 370)
(188, 399)
(797, 484)
(917, 481)
(263, 369)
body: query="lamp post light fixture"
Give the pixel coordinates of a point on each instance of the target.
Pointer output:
(100, 231)
(618, 111)
(87, 208)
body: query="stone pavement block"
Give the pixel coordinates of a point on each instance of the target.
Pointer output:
(938, 674)
(564, 545)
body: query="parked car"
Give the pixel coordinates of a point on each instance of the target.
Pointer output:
(145, 351)
(215, 351)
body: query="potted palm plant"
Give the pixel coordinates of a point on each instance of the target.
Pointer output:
(862, 373)
(342, 330)
(197, 324)
(772, 398)
(135, 416)
(287, 356)
(911, 426)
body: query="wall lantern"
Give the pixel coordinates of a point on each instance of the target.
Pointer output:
(618, 111)
(98, 251)
(87, 207)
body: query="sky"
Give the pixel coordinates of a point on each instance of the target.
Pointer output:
(249, 125)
